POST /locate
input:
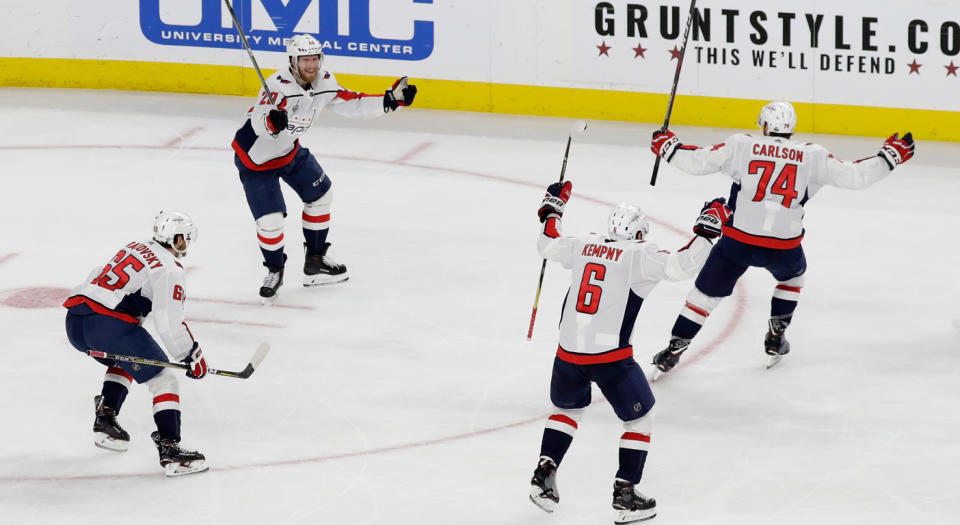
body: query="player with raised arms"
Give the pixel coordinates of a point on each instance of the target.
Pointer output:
(105, 312)
(611, 277)
(267, 148)
(773, 178)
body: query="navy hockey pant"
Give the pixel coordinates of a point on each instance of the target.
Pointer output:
(729, 259)
(625, 387)
(88, 330)
(262, 188)
(622, 383)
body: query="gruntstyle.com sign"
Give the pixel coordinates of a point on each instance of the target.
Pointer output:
(287, 19)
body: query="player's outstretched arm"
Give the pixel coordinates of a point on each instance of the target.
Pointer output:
(687, 261)
(865, 172)
(688, 158)
(550, 243)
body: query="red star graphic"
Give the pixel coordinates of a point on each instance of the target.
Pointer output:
(639, 51)
(914, 67)
(674, 53)
(603, 47)
(952, 69)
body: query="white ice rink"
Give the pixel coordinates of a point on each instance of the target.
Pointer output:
(409, 395)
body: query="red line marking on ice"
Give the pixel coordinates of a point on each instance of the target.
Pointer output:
(290, 462)
(709, 347)
(414, 152)
(7, 257)
(250, 303)
(241, 323)
(180, 139)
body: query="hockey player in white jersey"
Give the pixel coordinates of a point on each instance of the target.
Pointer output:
(611, 276)
(105, 312)
(773, 178)
(267, 148)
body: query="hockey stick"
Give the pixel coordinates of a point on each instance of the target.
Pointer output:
(576, 127)
(247, 371)
(673, 91)
(246, 45)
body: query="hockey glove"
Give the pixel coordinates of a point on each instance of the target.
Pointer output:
(196, 362)
(277, 120)
(712, 218)
(897, 150)
(664, 144)
(555, 200)
(400, 94)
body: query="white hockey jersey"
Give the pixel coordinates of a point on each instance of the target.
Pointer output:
(773, 178)
(142, 278)
(260, 149)
(610, 280)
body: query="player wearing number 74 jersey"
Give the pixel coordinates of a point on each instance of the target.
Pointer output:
(104, 313)
(611, 276)
(773, 178)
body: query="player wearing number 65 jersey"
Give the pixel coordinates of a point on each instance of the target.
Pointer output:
(611, 276)
(104, 313)
(773, 178)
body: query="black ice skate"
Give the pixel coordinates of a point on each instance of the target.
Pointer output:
(630, 504)
(319, 269)
(107, 433)
(177, 461)
(775, 344)
(543, 485)
(668, 358)
(271, 284)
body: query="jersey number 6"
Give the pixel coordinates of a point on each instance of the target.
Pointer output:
(588, 300)
(783, 186)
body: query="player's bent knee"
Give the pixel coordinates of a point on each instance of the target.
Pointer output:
(796, 282)
(641, 425)
(270, 223)
(165, 382)
(323, 203)
(699, 305)
(565, 420)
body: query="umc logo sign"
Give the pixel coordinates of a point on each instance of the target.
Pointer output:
(215, 28)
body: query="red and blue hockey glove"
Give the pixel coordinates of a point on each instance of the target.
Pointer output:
(400, 94)
(897, 150)
(664, 144)
(196, 362)
(555, 200)
(712, 217)
(277, 120)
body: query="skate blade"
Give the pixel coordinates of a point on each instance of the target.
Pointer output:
(321, 280)
(108, 443)
(267, 301)
(626, 516)
(774, 359)
(657, 373)
(176, 469)
(545, 504)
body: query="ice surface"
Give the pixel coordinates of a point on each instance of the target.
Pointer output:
(409, 393)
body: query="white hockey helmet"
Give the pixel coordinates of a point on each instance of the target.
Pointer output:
(303, 45)
(626, 222)
(779, 117)
(168, 224)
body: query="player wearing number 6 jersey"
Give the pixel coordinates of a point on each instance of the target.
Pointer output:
(611, 276)
(104, 313)
(773, 178)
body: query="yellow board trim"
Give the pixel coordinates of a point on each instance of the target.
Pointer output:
(483, 96)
